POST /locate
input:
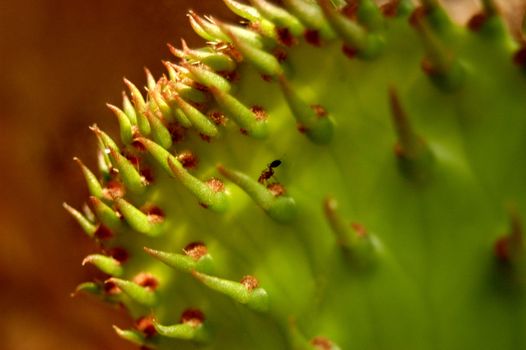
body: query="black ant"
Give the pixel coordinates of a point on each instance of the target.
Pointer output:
(269, 171)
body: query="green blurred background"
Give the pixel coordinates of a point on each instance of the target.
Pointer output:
(60, 62)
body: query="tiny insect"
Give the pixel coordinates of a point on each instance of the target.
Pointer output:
(269, 171)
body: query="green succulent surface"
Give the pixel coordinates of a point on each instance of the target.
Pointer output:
(323, 176)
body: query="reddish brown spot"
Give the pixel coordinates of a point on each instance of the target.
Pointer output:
(146, 280)
(519, 58)
(477, 21)
(133, 158)
(147, 174)
(428, 67)
(280, 54)
(145, 326)
(259, 112)
(254, 26)
(193, 317)
(119, 254)
(114, 189)
(216, 185)
(197, 85)
(233, 52)
(111, 288)
(390, 9)
(285, 36)
(138, 146)
(103, 233)
(205, 138)
(359, 229)
(187, 159)
(276, 189)
(319, 110)
(350, 10)
(266, 77)
(177, 131)
(502, 249)
(155, 214)
(302, 128)
(349, 51)
(398, 150)
(230, 76)
(417, 16)
(312, 36)
(250, 282)
(243, 131)
(218, 118)
(321, 343)
(196, 250)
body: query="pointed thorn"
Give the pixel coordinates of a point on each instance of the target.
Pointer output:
(176, 52)
(88, 287)
(142, 295)
(140, 106)
(210, 194)
(137, 98)
(414, 156)
(311, 14)
(131, 335)
(125, 125)
(198, 120)
(157, 98)
(356, 38)
(206, 29)
(104, 263)
(128, 108)
(282, 208)
(212, 58)
(189, 93)
(254, 125)
(433, 15)
(150, 80)
(192, 327)
(246, 292)
(172, 73)
(207, 77)
(264, 62)
(279, 16)
(242, 10)
(104, 138)
(132, 179)
(160, 132)
(440, 63)
(94, 186)
(159, 153)
(196, 258)
(105, 214)
(150, 225)
(314, 122)
(103, 162)
(354, 240)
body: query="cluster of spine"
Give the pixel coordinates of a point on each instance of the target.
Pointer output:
(191, 158)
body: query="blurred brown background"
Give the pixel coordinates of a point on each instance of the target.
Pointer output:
(60, 61)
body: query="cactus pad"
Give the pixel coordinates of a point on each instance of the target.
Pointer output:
(324, 176)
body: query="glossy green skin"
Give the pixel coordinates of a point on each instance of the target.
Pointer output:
(434, 283)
